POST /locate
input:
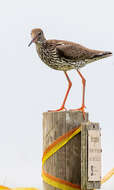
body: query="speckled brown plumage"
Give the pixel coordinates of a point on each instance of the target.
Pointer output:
(64, 55)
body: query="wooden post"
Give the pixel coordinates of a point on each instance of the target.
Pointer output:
(90, 156)
(66, 162)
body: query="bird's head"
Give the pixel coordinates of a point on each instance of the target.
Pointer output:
(37, 36)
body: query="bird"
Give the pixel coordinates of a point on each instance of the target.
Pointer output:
(63, 56)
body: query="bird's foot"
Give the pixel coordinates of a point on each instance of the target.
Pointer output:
(62, 108)
(82, 109)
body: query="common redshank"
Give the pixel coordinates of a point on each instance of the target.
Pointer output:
(65, 55)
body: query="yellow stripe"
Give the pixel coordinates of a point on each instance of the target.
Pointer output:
(50, 153)
(57, 184)
(4, 188)
(24, 188)
(59, 145)
(107, 176)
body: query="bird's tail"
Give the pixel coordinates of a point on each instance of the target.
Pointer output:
(102, 54)
(97, 55)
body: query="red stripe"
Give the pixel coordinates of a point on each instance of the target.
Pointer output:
(60, 180)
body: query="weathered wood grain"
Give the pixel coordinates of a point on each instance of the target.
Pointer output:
(66, 162)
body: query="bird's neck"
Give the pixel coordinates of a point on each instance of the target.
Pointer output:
(40, 47)
(40, 43)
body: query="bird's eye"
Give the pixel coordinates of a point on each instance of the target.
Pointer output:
(39, 33)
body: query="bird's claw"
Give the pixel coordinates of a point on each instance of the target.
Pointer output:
(62, 108)
(82, 109)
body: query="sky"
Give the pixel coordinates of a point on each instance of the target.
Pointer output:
(28, 87)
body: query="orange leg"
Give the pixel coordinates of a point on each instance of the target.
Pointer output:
(64, 101)
(83, 96)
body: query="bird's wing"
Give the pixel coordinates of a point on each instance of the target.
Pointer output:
(73, 51)
(78, 52)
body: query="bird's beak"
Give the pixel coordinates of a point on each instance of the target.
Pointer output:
(32, 41)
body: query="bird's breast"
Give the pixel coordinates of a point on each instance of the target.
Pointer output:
(53, 60)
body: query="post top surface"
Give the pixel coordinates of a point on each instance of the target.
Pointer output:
(68, 111)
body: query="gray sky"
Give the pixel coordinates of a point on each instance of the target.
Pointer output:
(28, 87)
